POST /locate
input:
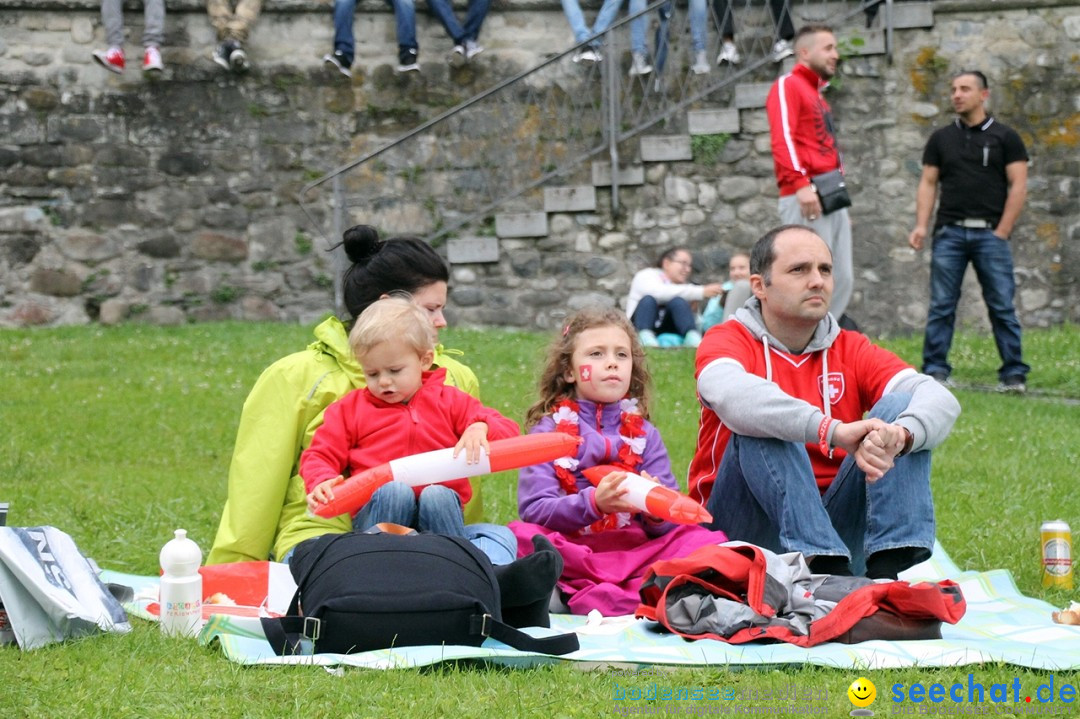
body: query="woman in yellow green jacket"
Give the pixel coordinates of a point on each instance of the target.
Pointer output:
(265, 514)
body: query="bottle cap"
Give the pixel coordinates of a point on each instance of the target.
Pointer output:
(180, 556)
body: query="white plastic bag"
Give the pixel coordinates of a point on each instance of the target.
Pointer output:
(50, 590)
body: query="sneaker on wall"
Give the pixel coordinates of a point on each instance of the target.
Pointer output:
(337, 61)
(407, 61)
(111, 59)
(151, 60)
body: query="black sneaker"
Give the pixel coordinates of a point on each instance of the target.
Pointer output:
(238, 59)
(222, 52)
(1012, 385)
(942, 379)
(339, 62)
(407, 60)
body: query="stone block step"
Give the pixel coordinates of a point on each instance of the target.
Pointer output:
(574, 198)
(713, 122)
(521, 224)
(628, 175)
(665, 148)
(911, 15)
(465, 250)
(873, 41)
(750, 95)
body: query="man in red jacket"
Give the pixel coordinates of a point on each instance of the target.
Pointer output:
(804, 145)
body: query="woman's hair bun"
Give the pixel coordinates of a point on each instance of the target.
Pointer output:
(361, 242)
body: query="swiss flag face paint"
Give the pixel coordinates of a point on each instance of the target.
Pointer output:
(585, 371)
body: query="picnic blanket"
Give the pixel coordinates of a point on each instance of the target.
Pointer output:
(1001, 625)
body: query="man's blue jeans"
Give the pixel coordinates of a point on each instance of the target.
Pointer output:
(475, 13)
(678, 317)
(991, 257)
(609, 10)
(437, 511)
(765, 493)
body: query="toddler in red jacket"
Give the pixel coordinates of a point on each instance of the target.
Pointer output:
(405, 409)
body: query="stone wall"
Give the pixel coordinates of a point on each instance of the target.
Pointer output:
(127, 199)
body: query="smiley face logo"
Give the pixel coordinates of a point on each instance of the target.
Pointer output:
(862, 692)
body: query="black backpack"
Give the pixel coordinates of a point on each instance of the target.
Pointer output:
(358, 592)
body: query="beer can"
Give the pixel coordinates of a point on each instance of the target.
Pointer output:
(1056, 540)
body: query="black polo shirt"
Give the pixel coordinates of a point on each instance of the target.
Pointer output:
(971, 165)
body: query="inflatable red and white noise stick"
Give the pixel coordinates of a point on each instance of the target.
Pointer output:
(652, 497)
(440, 465)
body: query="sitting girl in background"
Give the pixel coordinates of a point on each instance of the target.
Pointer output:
(404, 409)
(595, 385)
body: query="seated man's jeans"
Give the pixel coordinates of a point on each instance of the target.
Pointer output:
(609, 11)
(678, 316)
(475, 13)
(765, 494)
(404, 20)
(991, 256)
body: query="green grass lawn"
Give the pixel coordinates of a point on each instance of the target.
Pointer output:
(120, 435)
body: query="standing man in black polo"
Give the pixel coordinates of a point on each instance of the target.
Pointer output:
(981, 165)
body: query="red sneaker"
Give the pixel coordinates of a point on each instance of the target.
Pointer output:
(111, 59)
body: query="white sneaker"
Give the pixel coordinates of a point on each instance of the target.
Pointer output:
(648, 338)
(701, 64)
(152, 60)
(640, 65)
(781, 49)
(728, 53)
(587, 55)
(472, 49)
(457, 56)
(692, 339)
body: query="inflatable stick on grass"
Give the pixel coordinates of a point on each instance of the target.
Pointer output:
(656, 499)
(441, 466)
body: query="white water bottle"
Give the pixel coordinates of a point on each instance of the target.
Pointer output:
(180, 597)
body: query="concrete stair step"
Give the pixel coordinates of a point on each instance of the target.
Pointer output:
(665, 148)
(750, 95)
(628, 174)
(474, 249)
(911, 15)
(570, 198)
(713, 122)
(521, 224)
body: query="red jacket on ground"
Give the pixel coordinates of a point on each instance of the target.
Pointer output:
(360, 431)
(800, 125)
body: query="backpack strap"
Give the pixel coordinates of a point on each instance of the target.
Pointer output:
(289, 636)
(294, 634)
(486, 625)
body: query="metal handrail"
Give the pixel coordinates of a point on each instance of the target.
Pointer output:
(626, 108)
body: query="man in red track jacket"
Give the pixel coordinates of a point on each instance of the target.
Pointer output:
(804, 145)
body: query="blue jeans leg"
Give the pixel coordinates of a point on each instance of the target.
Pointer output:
(765, 493)
(344, 40)
(679, 317)
(474, 17)
(637, 28)
(494, 540)
(646, 314)
(698, 18)
(444, 12)
(440, 512)
(948, 261)
(576, 18)
(992, 258)
(405, 23)
(394, 502)
(895, 511)
(609, 10)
